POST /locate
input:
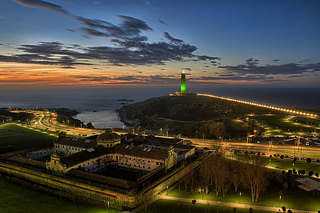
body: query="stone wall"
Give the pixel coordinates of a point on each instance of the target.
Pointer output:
(69, 188)
(99, 195)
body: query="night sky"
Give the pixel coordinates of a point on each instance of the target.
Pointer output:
(149, 42)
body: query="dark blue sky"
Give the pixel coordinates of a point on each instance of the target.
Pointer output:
(128, 42)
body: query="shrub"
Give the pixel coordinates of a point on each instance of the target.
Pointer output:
(310, 173)
(303, 172)
(308, 160)
(284, 208)
(281, 156)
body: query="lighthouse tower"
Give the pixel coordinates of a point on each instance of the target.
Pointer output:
(183, 83)
(183, 87)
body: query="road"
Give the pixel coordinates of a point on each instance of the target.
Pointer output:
(47, 121)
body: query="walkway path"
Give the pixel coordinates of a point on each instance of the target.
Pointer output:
(236, 205)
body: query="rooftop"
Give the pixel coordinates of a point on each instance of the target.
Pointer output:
(85, 155)
(140, 152)
(76, 142)
(108, 136)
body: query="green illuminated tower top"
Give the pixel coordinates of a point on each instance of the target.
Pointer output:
(183, 83)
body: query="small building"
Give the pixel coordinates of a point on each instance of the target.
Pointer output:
(137, 157)
(108, 139)
(129, 156)
(89, 160)
(67, 146)
(183, 151)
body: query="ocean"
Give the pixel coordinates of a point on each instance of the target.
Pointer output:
(98, 104)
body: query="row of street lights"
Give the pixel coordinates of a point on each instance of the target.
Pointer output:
(263, 105)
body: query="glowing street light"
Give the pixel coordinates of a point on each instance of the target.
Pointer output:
(280, 201)
(239, 197)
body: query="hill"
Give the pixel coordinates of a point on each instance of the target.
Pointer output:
(175, 112)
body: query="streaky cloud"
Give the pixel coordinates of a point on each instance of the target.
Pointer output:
(170, 38)
(44, 5)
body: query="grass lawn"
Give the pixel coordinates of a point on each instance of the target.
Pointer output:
(169, 206)
(292, 198)
(287, 164)
(17, 198)
(280, 125)
(23, 138)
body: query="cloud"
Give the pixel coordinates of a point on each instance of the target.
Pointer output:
(131, 51)
(162, 22)
(251, 67)
(187, 69)
(44, 5)
(233, 77)
(136, 51)
(129, 27)
(146, 2)
(128, 47)
(170, 38)
(131, 79)
(47, 53)
(205, 57)
(71, 30)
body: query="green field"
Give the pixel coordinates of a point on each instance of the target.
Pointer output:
(18, 198)
(22, 138)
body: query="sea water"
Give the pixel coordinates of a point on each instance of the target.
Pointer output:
(98, 104)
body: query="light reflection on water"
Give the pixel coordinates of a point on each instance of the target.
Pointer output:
(101, 119)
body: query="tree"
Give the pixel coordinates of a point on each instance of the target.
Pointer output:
(220, 175)
(255, 178)
(186, 181)
(285, 186)
(205, 172)
(236, 171)
(217, 129)
(283, 208)
(310, 173)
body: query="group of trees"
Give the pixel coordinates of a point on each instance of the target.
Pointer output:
(219, 174)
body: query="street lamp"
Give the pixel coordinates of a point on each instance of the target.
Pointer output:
(167, 190)
(280, 201)
(239, 196)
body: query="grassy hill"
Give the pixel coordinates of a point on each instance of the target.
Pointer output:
(188, 114)
(186, 108)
